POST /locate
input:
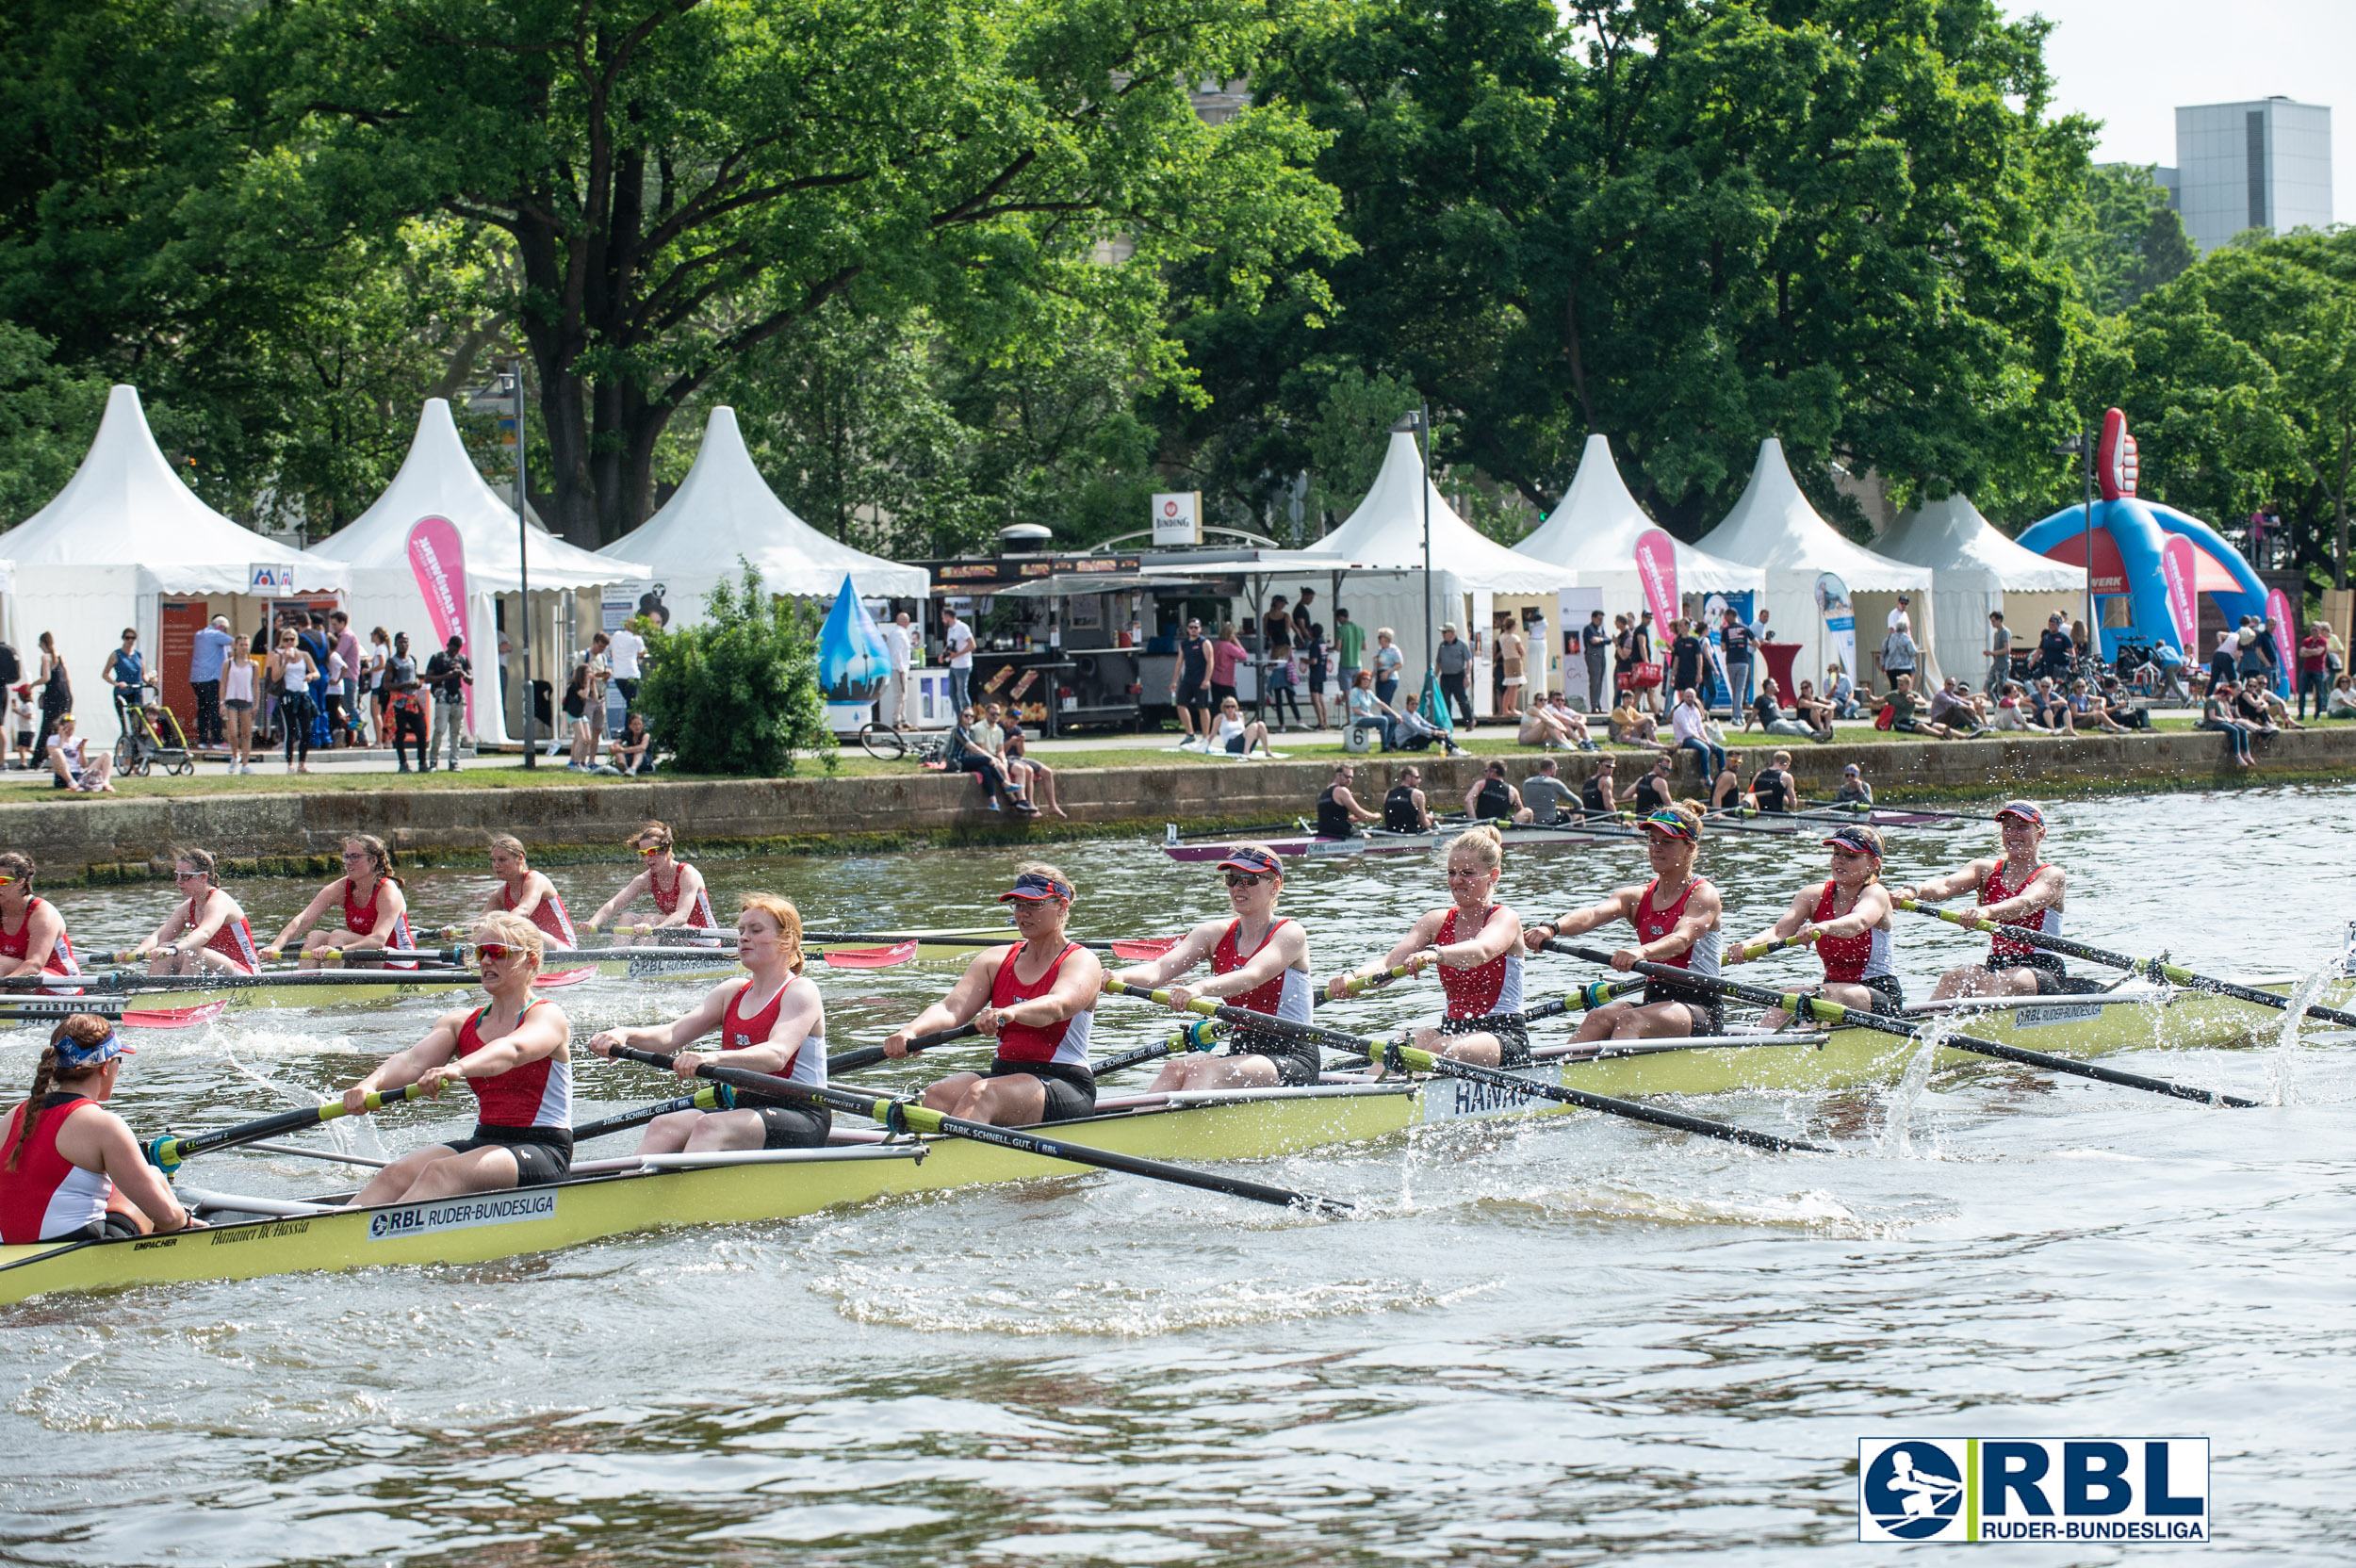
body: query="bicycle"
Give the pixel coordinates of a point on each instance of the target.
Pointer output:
(890, 742)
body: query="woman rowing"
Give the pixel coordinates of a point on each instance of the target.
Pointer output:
(1038, 998)
(524, 891)
(207, 935)
(1477, 947)
(677, 887)
(376, 912)
(1675, 916)
(2016, 888)
(72, 1170)
(33, 940)
(1259, 960)
(773, 1022)
(515, 1052)
(1850, 918)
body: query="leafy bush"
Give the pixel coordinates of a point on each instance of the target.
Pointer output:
(739, 692)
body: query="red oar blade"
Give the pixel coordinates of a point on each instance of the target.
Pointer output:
(173, 1017)
(1144, 947)
(871, 957)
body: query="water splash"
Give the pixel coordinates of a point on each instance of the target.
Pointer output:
(2281, 1062)
(1896, 1135)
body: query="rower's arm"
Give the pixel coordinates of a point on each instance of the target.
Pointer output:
(620, 901)
(542, 1032)
(1701, 917)
(1075, 992)
(173, 924)
(2044, 891)
(390, 906)
(1288, 948)
(690, 884)
(1790, 924)
(1940, 889)
(1357, 812)
(535, 894)
(1498, 935)
(311, 912)
(966, 998)
(206, 929)
(1871, 907)
(403, 1068)
(102, 1138)
(1419, 937)
(1576, 922)
(1192, 949)
(797, 1015)
(680, 1033)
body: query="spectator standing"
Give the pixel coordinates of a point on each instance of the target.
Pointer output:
(348, 644)
(2081, 647)
(2054, 649)
(332, 696)
(127, 670)
(450, 673)
(2269, 655)
(897, 644)
(1512, 648)
(1453, 659)
(236, 704)
(2312, 649)
(957, 646)
(1999, 652)
(1685, 656)
(1226, 655)
(215, 644)
(1313, 654)
(1734, 639)
(1595, 643)
(291, 673)
(57, 694)
(1641, 654)
(626, 651)
(581, 693)
(1899, 654)
(1387, 660)
(405, 703)
(1303, 619)
(1898, 616)
(1351, 638)
(1190, 684)
(379, 689)
(1623, 656)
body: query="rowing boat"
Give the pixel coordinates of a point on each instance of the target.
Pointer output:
(256, 1238)
(1382, 841)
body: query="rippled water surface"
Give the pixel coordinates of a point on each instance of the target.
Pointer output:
(1559, 1339)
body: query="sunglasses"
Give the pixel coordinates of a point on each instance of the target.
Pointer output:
(6, 879)
(652, 849)
(187, 877)
(496, 952)
(1244, 880)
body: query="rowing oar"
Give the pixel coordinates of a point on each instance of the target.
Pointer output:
(167, 1154)
(1200, 1035)
(711, 1097)
(1834, 1015)
(1408, 1058)
(912, 1115)
(2150, 968)
(1852, 808)
(868, 1055)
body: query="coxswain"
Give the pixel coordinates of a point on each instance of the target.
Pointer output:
(376, 912)
(1854, 791)
(773, 1022)
(515, 1052)
(72, 1170)
(523, 892)
(1851, 919)
(678, 888)
(1404, 809)
(1259, 960)
(32, 932)
(1492, 799)
(1339, 811)
(1675, 916)
(1477, 947)
(1654, 792)
(1774, 787)
(1597, 796)
(2016, 888)
(206, 935)
(1037, 999)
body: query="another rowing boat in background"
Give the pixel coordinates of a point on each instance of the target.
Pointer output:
(1381, 841)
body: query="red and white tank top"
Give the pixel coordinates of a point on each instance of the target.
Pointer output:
(548, 915)
(668, 901)
(1850, 959)
(233, 941)
(47, 1195)
(736, 1032)
(1495, 987)
(1066, 1043)
(537, 1094)
(1652, 924)
(14, 944)
(1286, 997)
(1994, 890)
(360, 919)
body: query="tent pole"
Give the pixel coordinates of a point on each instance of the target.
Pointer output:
(523, 572)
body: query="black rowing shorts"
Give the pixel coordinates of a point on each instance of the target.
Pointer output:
(793, 1126)
(1706, 1010)
(1888, 995)
(1512, 1033)
(1070, 1088)
(2053, 977)
(1297, 1062)
(543, 1154)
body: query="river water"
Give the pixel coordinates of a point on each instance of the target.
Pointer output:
(1556, 1340)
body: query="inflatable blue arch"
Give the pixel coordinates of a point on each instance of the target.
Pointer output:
(2129, 535)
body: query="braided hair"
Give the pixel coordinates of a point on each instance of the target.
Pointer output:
(85, 1029)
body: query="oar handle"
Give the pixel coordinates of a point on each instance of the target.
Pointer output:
(1356, 985)
(167, 1154)
(1753, 951)
(711, 1097)
(868, 1055)
(1202, 1034)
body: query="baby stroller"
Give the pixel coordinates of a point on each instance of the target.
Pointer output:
(144, 741)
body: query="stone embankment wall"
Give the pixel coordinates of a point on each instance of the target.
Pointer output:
(300, 833)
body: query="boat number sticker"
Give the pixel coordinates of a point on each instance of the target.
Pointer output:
(461, 1214)
(2057, 1012)
(2084, 1489)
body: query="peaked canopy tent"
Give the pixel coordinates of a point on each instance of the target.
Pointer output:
(724, 510)
(438, 479)
(1975, 571)
(1772, 526)
(127, 544)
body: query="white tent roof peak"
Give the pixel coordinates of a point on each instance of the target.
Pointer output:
(439, 479)
(724, 509)
(1385, 534)
(1950, 535)
(1773, 527)
(126, 507)
(1595, 528)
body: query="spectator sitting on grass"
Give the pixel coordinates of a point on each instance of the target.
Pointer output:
(1813, 712)
(1632, 727)
(2049, 710)
(2085, 705)
(634, 745)
(1767, 708)
(1840, 690)
(1950, 704)
(2342, 702)
(2009, 711)
(967, 755)
(1908, 715)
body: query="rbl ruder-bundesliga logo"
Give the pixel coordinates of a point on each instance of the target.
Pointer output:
(2114, 1489)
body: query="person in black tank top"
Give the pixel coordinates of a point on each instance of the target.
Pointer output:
(1767, 789)
(1597, 794)
(1403, 811)
(1339, 811)
(1652, 789)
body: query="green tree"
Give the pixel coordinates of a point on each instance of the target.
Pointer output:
(738, 693)
(47, 417)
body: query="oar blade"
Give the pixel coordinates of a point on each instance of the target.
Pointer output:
(1140, 947)
(870, 957)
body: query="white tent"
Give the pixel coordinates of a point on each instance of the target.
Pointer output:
(438, 479)
(123, 534)
(1974, 570)
(1593, 533)
(722, 509)
(1772, 528)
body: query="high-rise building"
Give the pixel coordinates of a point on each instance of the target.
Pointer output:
(2262, 165)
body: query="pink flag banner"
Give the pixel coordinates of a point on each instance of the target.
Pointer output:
(1657, 568)
(2176, 575)
(2279, 612)
(439, 559)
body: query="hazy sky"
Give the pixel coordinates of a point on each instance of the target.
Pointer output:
(2129, 63)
